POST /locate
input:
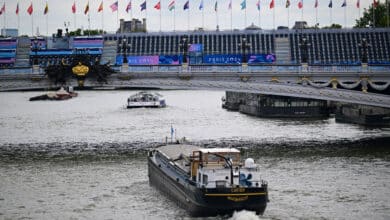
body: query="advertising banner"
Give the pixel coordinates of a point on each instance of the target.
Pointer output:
(261, 58)
(222, 59)
(150, 60)
(142, 60)
(195, 48)
(170, 60)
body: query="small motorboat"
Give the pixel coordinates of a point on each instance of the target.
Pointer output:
(61, 94)
(146, 99)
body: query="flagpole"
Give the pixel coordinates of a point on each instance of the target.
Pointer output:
(259, 17)
(273, 17)
(202, 15)
(188, 17)
(89, 20)
(18, 19)
(345, 16)
(316, 14)
(160, 14)
(231, 16)
(47, 19)
(288, 17)
(245, 16)
(330, 12)
(373, 15)
(5, 20)
(388, 16)
(32, 21)
(74, 16)
(102, 18)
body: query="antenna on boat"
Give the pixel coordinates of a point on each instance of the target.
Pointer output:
(172, 131)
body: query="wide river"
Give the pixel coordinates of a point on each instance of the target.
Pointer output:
(85, 158)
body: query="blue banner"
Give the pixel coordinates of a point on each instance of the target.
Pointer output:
(170, 59)
(261, 58)
(195, 48)
(222, 59)
(151, 60)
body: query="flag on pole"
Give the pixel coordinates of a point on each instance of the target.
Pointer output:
(230, 5)
(186, 5)
(344, 4)
(74, 7)
(243, 4)
(316, 4)
(330, 4)
(157, 6)
(2, 9)
(114, 6)
(30, 9)
(258, 5)
(272, 4)
(358, 4)
(128, 7)
(287, 3)
(216, 6)
(201, 5)
(46, 9)
(143, 6)
(171, 5)
(100, 7)
(17, 8)
(86, 8)
(375, 3)
(300, 4)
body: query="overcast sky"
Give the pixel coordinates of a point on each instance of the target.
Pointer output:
(60, 12)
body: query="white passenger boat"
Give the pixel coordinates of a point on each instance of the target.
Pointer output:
(145, 99)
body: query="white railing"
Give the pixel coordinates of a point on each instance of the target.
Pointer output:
(226, 69)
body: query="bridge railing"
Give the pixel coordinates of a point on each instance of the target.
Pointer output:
(297, 69)
(16, 70)
(257, 68)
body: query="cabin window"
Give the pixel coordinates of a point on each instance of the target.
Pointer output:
(205, 179)
(220, 184)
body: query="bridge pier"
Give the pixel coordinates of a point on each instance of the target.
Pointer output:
(272, 106)
(362, 114)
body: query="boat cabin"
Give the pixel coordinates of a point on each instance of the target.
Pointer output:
(221, 168)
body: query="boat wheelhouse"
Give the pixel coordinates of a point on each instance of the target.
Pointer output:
(208, 181)
(145, 99)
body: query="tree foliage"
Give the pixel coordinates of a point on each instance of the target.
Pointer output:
(375, 16)
(80, 32)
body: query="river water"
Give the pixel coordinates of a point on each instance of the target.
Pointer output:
(85, 158)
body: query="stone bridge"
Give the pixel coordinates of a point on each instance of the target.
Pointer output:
(360, 85)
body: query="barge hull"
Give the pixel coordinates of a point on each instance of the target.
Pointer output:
(198, 203)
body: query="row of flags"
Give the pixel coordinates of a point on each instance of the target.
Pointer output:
(114, 6)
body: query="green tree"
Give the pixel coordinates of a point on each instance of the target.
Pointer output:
(78, 32)
(333, 26)
(375, 17)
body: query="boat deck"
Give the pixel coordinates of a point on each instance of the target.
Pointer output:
(173, 151)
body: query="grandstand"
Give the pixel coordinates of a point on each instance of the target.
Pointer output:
(54, 50)
(262, 47)
(324, 46)
(8, 52)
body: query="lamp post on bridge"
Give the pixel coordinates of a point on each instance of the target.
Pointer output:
(304, 45)
(244, 45)
(364, 50)
(124, 46)
(183, 45)
(35, 47)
